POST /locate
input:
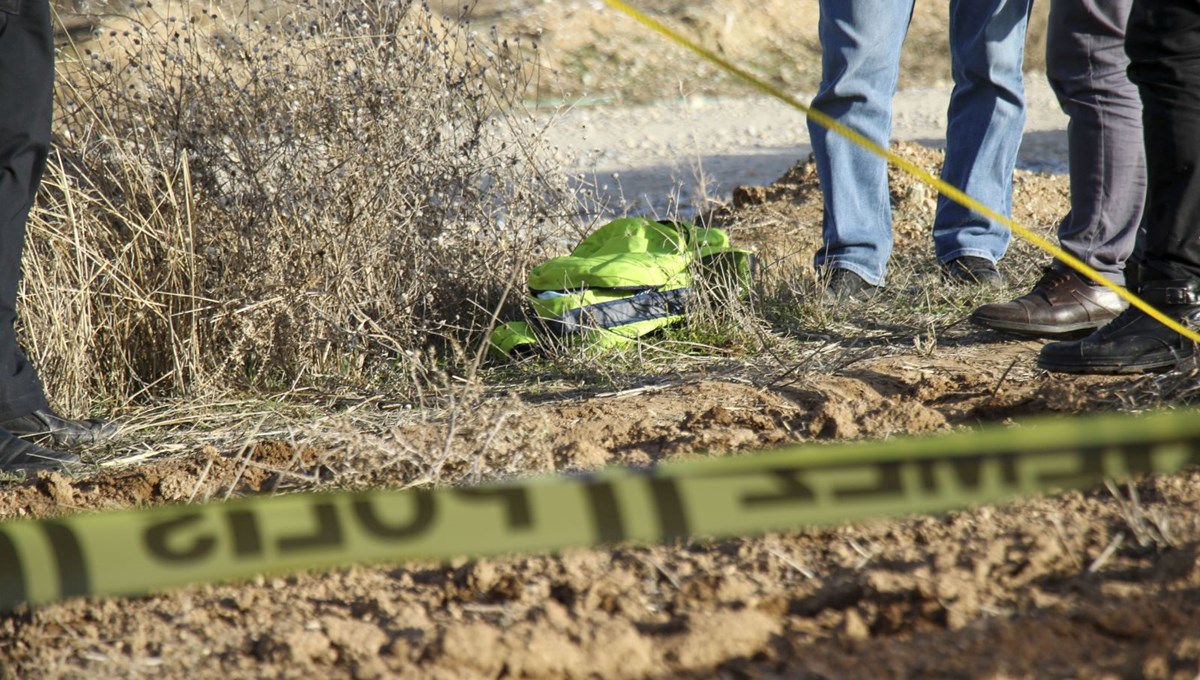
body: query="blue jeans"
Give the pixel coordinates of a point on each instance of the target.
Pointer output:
(861, 41)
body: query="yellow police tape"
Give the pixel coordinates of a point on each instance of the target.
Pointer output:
(948, 190)
(139, 551)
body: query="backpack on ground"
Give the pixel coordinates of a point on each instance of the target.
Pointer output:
(630, 277)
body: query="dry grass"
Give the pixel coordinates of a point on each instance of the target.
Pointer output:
(276, 201)
(300, 221)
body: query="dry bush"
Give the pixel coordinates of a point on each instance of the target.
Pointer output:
(306, 197)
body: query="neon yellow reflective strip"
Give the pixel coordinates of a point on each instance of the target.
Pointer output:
(138, 551)
(949, 191)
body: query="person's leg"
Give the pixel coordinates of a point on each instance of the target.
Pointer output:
(26, 95)
(986, 121)
(1164, 49)
(860, 46)
(1163, 44)
(26, 81)
(1087, 68)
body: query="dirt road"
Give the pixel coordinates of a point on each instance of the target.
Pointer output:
(676, 154)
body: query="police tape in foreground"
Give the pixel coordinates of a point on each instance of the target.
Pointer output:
(138, 551)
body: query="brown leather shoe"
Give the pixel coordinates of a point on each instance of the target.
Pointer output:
(1061, 302)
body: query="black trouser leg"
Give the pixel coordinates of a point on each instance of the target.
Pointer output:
(1163, 44)
(26, 98)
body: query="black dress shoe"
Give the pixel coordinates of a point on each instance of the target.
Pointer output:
(846, 286)
(1061, 302)
(18, 455)
(45, 425)
(1134, 342)
(978, 271)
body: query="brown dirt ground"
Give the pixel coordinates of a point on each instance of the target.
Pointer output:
(1082, 585)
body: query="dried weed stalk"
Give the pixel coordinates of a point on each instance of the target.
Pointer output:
(307, 195)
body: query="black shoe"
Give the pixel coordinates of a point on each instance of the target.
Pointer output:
(45, 425)
(1061, 302)
(1134, 342)
(19, 455)
(978, 271)
(845, 286)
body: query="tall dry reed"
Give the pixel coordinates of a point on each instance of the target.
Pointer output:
(310, 195)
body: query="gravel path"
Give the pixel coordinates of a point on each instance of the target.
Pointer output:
(672, 156)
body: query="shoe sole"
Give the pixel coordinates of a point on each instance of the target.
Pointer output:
(1115, 368)
(829, 300)
(33, 468)
(962, 278)
(1035, 329)
(986, 284)
(29, 471)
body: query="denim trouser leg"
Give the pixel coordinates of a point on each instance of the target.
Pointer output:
(861, 41)
(985, 123)
(1087, 68)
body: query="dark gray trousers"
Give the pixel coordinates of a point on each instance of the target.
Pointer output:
(1086, 65)
(26, 100)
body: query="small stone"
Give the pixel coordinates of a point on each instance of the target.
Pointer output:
(854, 628)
